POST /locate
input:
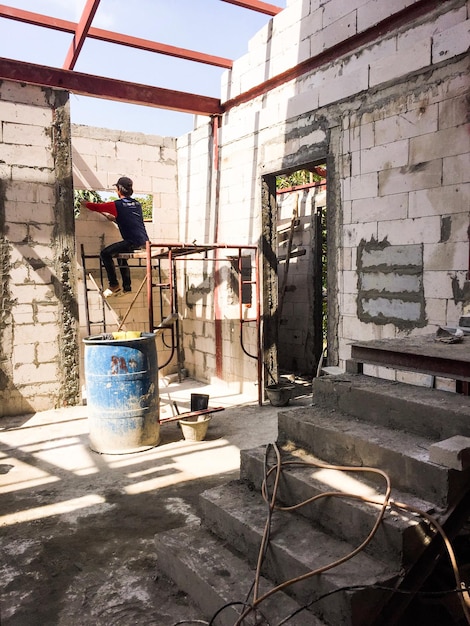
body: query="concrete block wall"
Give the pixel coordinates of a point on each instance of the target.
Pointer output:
(39, 312)
(389, 118)
(205, 287)
(100, 157)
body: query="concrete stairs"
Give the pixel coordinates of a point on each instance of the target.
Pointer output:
(356, 421)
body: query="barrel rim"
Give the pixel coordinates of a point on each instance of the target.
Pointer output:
(106, 338)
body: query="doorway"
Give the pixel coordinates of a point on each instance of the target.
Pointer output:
(295, 273)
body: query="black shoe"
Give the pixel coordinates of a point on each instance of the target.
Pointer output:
(127, 289)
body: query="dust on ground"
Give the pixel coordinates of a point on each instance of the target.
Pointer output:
(77, 527)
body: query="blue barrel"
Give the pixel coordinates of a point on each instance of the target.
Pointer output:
(121, 377)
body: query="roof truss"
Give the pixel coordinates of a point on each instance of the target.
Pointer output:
(102, 87)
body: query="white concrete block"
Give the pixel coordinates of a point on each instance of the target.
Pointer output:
(440, 200)
(415, 378)
(32, 293)
(312, 23)
(453, 112)
(45, 175)
(442, 143)
(375, 11)
(30, 374)
(407, 124)
(335, 9)
(16, 232)
(343, 85)
(381, 208)
(24, 93)
(453, 453)
(47, 352)
(445, 384)
(302, 103)
(27, 212)
(25, 114)
(364, 186)
(349, 282)
(458, 228)
(353, 234)
(391, 282)
(407, 232)
(384, 157)
(25, 135)
(436, 310)
(455, 255)
(399, 180)
(294, 12)
(329, 36)
(455, 169)
(430, 28)
(437, 285)
(451, 42)
(402, 256)
(35, 156)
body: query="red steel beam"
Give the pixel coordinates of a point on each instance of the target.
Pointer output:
(108, 88)
(256, 5)
(81, 33)
(37, 19)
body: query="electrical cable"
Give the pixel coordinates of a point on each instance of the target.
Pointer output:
(234, 603)
(363, 588)
(464, 597)
(191, 621)
(339, 561)
(271, 506)
(385, 502)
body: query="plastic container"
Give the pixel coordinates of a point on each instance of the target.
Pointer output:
(121, 378)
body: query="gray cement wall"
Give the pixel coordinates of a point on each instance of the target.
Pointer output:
(39, 309)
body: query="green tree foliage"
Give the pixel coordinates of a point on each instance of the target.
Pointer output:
(147, 205)
(301, 177)
(84, 194)
(94, 196)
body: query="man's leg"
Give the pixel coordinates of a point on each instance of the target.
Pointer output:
(107, 260)
(125, 274)
(107, 255)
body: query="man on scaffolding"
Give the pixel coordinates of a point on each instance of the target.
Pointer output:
(126, 213)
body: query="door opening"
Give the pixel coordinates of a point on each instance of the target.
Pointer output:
(295, 333)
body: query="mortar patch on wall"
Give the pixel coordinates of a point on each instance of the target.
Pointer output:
(390, 284)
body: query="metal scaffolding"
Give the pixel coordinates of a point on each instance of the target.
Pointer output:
(157, 283)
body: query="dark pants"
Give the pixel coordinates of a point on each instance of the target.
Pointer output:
(107, 255)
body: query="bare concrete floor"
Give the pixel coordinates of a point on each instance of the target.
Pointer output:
(77, 527)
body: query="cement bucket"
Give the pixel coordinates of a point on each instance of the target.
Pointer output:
(195, 428)
(279, 395)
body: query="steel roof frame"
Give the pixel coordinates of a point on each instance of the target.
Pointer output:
(102, 87)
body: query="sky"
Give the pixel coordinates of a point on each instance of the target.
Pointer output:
(209, 26)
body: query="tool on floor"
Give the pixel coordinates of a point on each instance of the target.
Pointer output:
(199, 406)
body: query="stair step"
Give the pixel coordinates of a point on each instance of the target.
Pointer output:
(213, 576)
(237, 514)
(395, 405)
(338, 439)
(400, 538)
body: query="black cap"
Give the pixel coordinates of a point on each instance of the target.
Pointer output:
(124, 182)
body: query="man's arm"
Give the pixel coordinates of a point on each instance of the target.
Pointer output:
(108, 209)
